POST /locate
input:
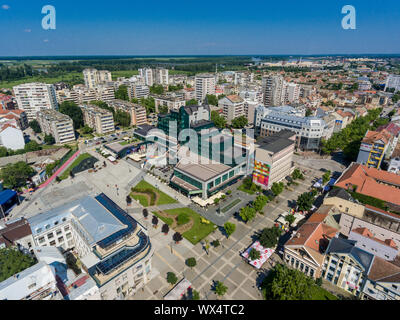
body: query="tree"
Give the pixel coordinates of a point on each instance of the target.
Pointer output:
(122, 118)
(15, 175)
(296, 174)
(165, 228)
(229, 228)
(215, 243)
(283, 283)
(309, 112)
(145, 213)
(239, 122)
(254, 254)
(269, 237)
(122, 93)
(192, 102)
(72, 110)
(49, 139)
(34, 124)
(326, 176)
(32, 146)
(86, 130)
(277, 188)
(191, 262)
(171, 278)
(182, 219)
(157, 89)
(177, 237)
(247, 213)
(290, 218)
(318, 281)
(71, 174)
(154, 221)
(260, 202)
(12, 261)
(195, 295)
(3, 152)
(219, 121)
(212, 99)
(220, 288)
(163, 109)
(305, 201)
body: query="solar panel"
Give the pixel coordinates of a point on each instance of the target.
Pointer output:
(120, 215)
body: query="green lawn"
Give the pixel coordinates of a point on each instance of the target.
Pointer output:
(162, 197)
(77, 161)
(243, 188)
(124, 73)
(319, 293)
(199, 230)
(168, 221)
(71, 76)
(142, 199)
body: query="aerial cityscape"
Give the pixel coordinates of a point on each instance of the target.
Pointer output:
(209, 176)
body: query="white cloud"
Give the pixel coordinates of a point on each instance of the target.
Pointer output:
(5, 7)
(27, 30)
(46, 40)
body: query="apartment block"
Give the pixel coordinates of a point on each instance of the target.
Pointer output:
(161, 76)
(171, 102)
(34, 97)
(93, 77)
(59, 125)
(138, 91)
(100, 120)
(136, 111)
(147, 75)
(373, 148)
(204, 85)
(232, 107)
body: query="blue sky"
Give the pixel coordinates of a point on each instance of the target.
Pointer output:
(176, 27)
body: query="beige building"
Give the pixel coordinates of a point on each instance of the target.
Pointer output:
(232, 107)
(93, 77)
(136, 111)
(34, 97)
(172, 102)
(204, 85)
(59, 125)
(100, 120)
(138, 91)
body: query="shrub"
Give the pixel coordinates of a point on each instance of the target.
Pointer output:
(254, 254)
(183, 218)
(191, 262)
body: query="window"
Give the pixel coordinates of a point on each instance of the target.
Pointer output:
(64, 219)
(50, 235)
(58, 232)
(69, 235)
(312, 272)
(41, 239)
(61, 239)
(47, 226)
(53, 243)
(66, 228)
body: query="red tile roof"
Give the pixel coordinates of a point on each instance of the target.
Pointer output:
(385, 271)
(373, 136)
(371, 182)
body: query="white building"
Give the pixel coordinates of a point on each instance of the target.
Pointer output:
(33, 97)
(138, 91)
(204, 85)
(59, 125)
(161, 76)
(147, 75)
(93, 77)
(232, 107)
(11, 136)
(393, 81)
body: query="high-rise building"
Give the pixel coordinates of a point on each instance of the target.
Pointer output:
(161, 76)
(136, 111)
(273, 90)
(393, 81)
(232, 107)
(138, 91)
(34, 97)
(94, 77)
(204, 85)
(147, 75)
(59, 125)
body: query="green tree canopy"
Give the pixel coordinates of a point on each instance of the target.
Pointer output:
(290, 218)
(49, 139)
(15, 175)
(283, 283)
(122, 118)
(192, 102)
(13, 261)
(229, 228)
(212, 99)
(219, 120)
(269, 237)
(247, 213)
(254, 254)
(171, 278)
(305, 201)
(72, 110)
(277, 188)
(157, 89)
(191, 262)
(239, 122)
(34, 124)
(122, 93)
(86, 130)
(220, 288)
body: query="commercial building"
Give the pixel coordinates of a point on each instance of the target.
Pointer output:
(100, 120)
(59, 125)
(114, 249)
(306, 248)
(373, 148)
(34, 97)
(309, 130)
(136, 111)
(273, 158)
(232, 107)
(93, 77)
(204, 85)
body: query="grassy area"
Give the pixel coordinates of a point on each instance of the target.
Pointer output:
(199, 230)
(231, 205)
(244, 189)
(168, 221)
(124, 73)
(142, 199)
(319, 293)
(162, 197)
(71, 76)
(77, 161)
